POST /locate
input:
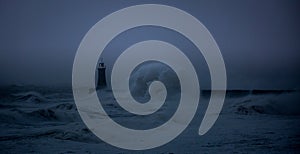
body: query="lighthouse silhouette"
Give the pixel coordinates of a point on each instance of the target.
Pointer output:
(101, 75)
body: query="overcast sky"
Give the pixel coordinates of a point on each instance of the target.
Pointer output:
(259, 40)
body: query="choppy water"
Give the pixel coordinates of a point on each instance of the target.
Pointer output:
(45, 120)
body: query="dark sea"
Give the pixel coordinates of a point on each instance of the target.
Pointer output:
(45, 120)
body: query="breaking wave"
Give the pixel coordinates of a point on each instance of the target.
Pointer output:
(31, 96)
(151, 71)
(278, 103)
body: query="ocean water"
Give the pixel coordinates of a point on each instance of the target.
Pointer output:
(45, 120)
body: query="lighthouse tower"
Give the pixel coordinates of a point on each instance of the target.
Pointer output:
(101, 75)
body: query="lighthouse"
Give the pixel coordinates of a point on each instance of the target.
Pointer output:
(101, 75)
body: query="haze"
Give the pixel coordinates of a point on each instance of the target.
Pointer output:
(259, 40)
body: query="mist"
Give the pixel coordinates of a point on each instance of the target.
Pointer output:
(259, 41)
